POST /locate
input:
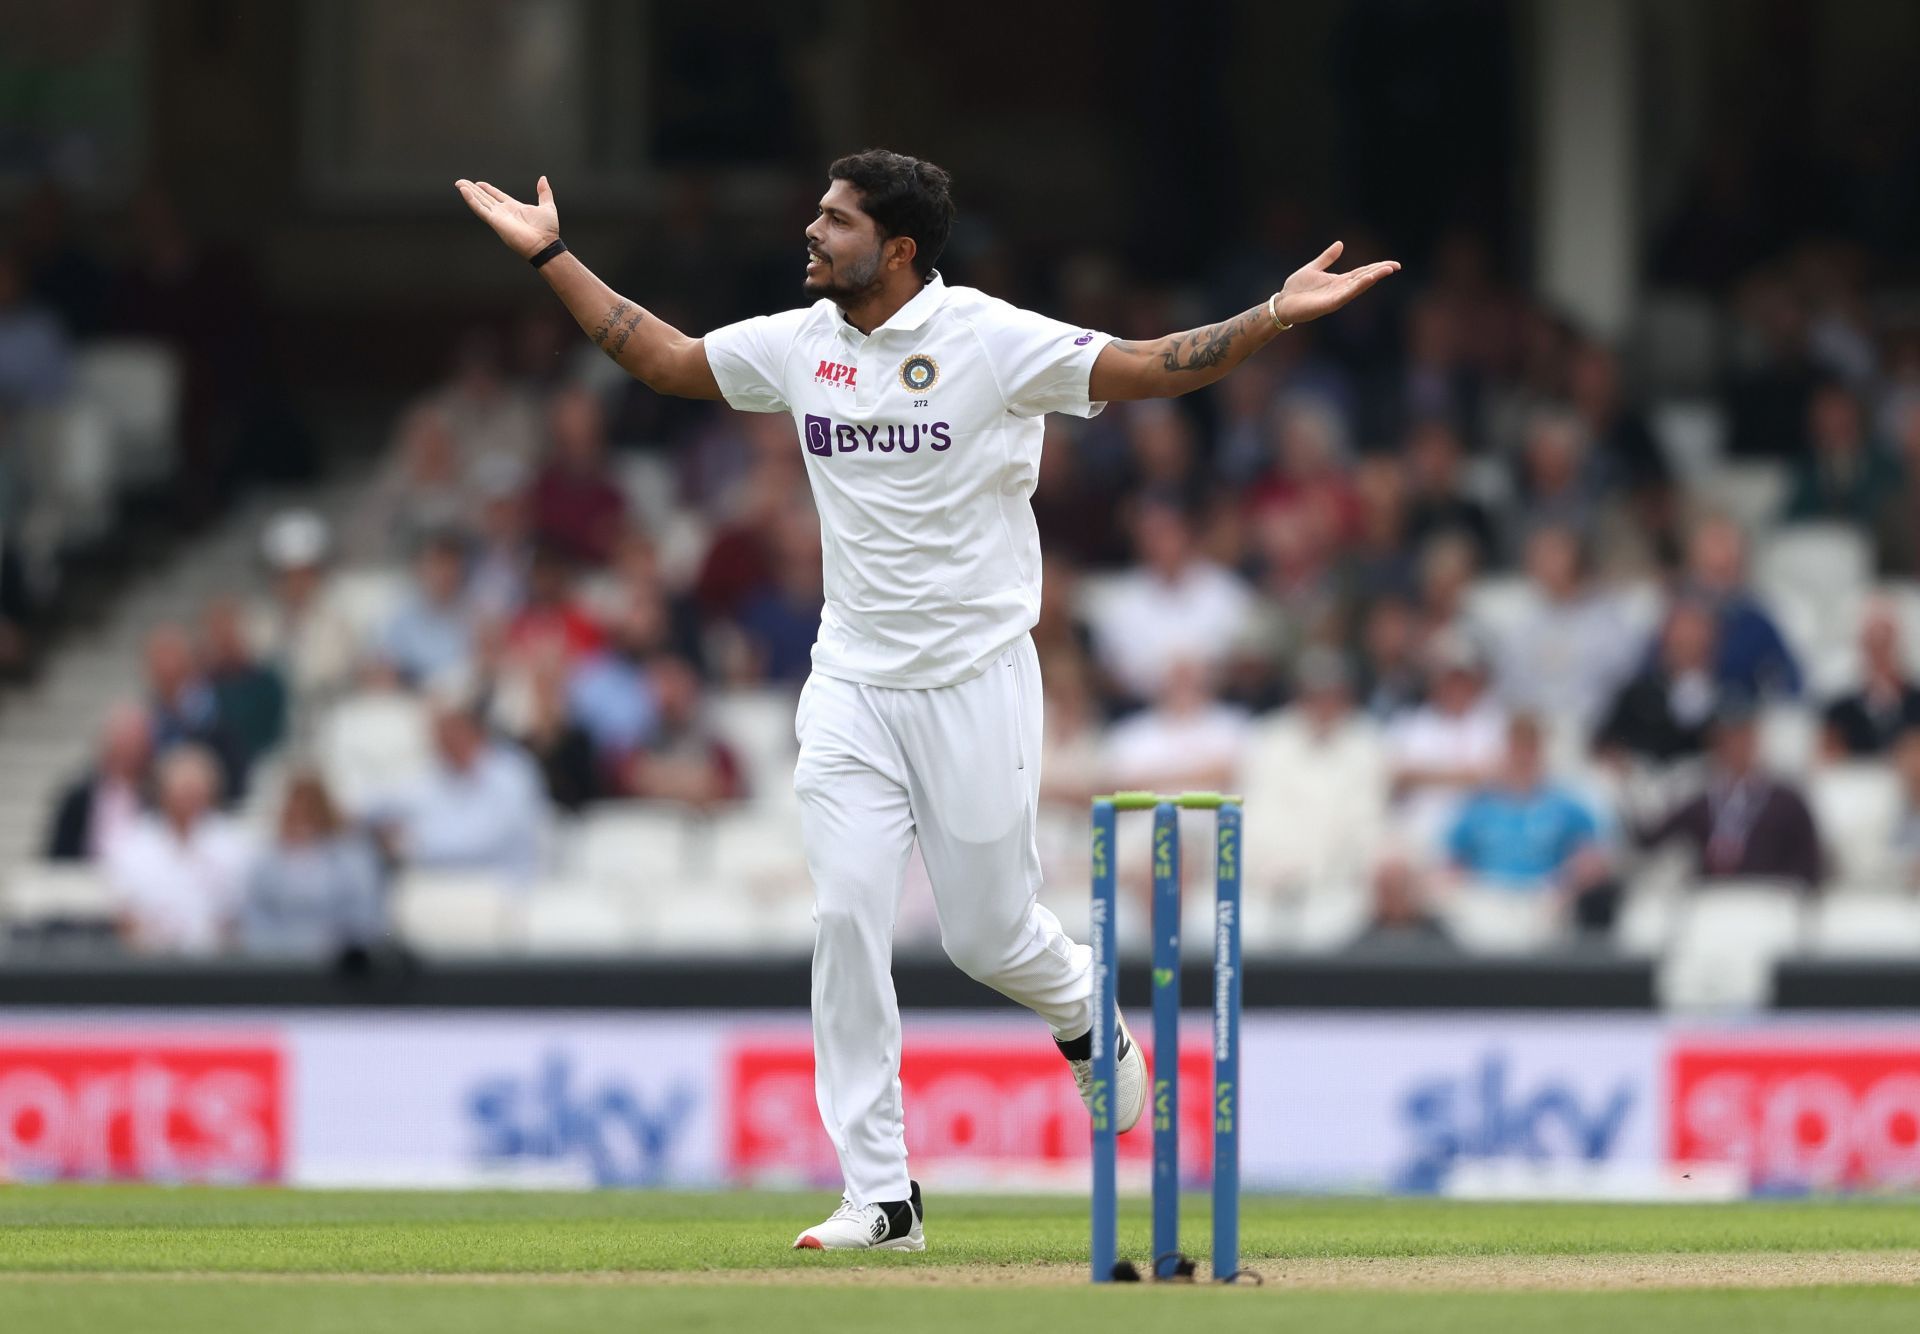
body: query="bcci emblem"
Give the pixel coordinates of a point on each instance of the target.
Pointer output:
(918, 372)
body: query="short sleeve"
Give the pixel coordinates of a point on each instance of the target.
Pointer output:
(749, 360)
(1041, 364)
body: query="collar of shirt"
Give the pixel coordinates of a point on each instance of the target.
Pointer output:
(910, 316)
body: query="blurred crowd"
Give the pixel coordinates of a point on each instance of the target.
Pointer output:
(1282, 586)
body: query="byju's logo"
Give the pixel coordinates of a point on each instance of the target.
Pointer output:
(1478, 1115)
(621, 1137)
(834, 373)
(824, 438)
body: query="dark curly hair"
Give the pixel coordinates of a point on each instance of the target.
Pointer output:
(905, 197)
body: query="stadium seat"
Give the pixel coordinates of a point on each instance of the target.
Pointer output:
(697, 917)
(1749, 492)
(1856, 807)
(758, 724)
(1866, 925)
(70, 462)
(137, 385)
(1831, 563)
(372, 744)
(753, 845)
(41, 892)
(1493, 919)
(457, 913)
(1789, 738)
(569, 919)
(368, 598)
(633, 848)
(1727, 938)
(651, 487)
(1497, 604)
(1691, 434)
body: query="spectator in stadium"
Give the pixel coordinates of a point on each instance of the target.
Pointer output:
(36, 361)
(178, 873)
(1073, 762)
(483, 807)
(1311, 477)
(1570, 647)
(1187, 740)
(502, 551)
(1525, 833)
(423, 489)
(1556, 480)
(183, 709)
(489, 418)
(1906, 829)
(1391, 681)
(1624, 445)
(553, 610)
(319, 890)
(1751, 657)
(1439, 501)
(105, 802)
(1314, 776)
(576, 501)
(1897, 517)
(63, 271)
(1402, 918)
(1841, 474)
(1446, 573)
(1195, 608)
(611, 694)
(1447, 747)
(782, 620)
(685, 760)
(432, 632)
(547, 729)
(302, 630)
(1664, 713)
(249, 695)
(1868, 721)
(1747, 823)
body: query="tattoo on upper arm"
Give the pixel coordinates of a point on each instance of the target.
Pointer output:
(1197, 349)
(611, 334)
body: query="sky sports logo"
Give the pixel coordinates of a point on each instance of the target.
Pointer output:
(825, 438)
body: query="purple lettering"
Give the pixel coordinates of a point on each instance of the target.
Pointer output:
(870, 432)
(819, 435)
(845, 434)
(908, 448)
(941, 440)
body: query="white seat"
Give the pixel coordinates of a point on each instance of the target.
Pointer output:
(1495, 605)
(1749, 492)
(576, 920)
(629, 848)
(137, 384)
(456, 913)
(1866, 925)
(758, 724)
(71, 461)
(56, 891)
(1491, 919)
(373, 744)
(1831, 563)
(1856, 807)
(1789, 738)
(1692, 436)
(651, 488)
(1727, 939)
(368, 599)
(757, 844)
(698, 917)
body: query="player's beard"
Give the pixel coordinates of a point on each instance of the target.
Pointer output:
(847, 280)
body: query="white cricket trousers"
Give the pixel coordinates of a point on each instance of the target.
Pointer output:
(958, 768)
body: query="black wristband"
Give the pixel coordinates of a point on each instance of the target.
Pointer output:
(552, 248)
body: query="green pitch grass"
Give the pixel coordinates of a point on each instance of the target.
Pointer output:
(127, 1259)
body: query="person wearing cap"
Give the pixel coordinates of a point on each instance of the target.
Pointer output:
(301, 628)
(1320, 765)
(1745, 824)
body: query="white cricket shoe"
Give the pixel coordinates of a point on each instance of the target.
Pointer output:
(1130, 1081)
(869, 1227)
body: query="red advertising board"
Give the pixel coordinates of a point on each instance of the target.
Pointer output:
(152, 1110)
(1799, 1115)
(993, 1106)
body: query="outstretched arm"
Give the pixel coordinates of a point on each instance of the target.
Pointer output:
(1183, 362)
(646, 347)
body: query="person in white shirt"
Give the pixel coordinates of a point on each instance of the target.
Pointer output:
(1447, 747)
(918, 408)
(1572, 645)
(179, 872)
(1174, 604)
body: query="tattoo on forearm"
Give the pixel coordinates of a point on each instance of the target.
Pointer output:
(1200, 349)
(611, 334)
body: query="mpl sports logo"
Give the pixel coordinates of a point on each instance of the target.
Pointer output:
(1798, 1116)
(835, 373)
(146, 1111)
(825, 438)
(994, 1108)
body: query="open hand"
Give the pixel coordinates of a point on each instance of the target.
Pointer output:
(1312, 291)
(527, 229)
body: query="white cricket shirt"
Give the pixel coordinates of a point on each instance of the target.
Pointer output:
(922, 443)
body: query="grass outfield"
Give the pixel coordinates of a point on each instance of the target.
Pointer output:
(211, 1261)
